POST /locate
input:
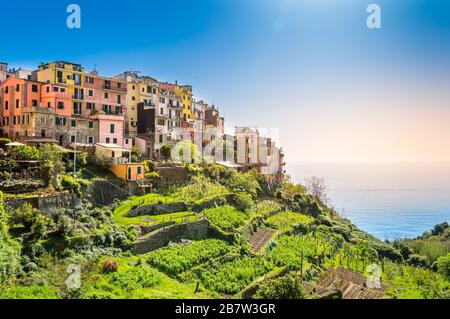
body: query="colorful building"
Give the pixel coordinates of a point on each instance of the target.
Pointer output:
(140, 89)
(105, 103)
(69, 75)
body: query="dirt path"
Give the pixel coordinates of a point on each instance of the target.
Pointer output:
(260, 238)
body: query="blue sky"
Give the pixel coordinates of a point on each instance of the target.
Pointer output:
(336, 90)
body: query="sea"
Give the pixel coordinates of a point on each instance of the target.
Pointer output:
(388, 200)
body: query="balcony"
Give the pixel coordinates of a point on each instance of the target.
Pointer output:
(115, 88)
(79, 97)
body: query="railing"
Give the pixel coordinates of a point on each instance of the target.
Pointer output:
(119, 160)
(114, 88)
(78, 97)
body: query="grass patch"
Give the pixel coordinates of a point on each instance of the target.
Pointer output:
(285, 221)
(225, 217)
(178, 258)
(137, 280)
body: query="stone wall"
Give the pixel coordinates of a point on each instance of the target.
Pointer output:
(172, 174)
(104, 192)
(192, 231)
(46, 203)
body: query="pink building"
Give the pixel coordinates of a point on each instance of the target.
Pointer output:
(105, 102)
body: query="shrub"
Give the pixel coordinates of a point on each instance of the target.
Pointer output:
(216, 171)
(243, 201)
(286, 287)
(3, 142)
(418, 261)
(25, 153)
(243, 182)
(150, 166)
(151, 176)
(166, 152)
(9, 248)
(443, 266)
(110, 266)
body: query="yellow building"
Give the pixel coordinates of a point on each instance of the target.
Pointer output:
(185, 93)
(67, 74)
(128, 171)
(141, 89)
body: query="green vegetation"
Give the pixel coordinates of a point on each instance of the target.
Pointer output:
(286, 287)
(232, 277)
(178, 258)
(216, 234)
(286, 221)
(225, 217)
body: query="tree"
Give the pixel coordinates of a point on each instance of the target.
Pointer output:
(9, 248)
(287, 287)
(136, 155)
(166, 152)
(52, 164)
(316, 187)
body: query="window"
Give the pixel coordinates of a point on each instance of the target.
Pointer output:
(108, 140)
(112, 128)
(34, 102)
(63, 90)
(73, 123)
(49, 104)
(17, 104)
(161, 111)
(18, 119)
(133, 98)
(43, 120)
(106, 95)
(77, 108)
(162, 100)
(90, 140)
(6, 90)
(126, 141)
(90, 124)
(58, 121)
(119, 99)
(72, 138)
(90, 106)
(134, 87)
(91, 93)
(6, 105)
(60, 105)
(139, 170)
(56, 89)
(160, 139)
(114, 140)
(17, 87)
(48, 89)
(34, 88)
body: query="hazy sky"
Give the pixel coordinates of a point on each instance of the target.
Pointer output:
(336, 90)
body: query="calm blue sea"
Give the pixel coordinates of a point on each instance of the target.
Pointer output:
(388, 200)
